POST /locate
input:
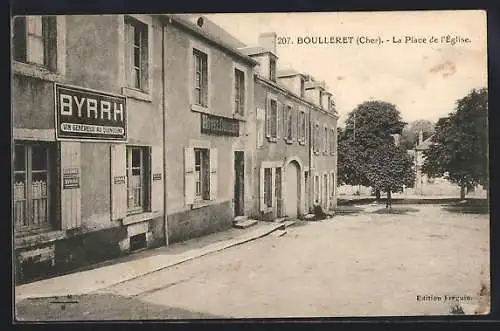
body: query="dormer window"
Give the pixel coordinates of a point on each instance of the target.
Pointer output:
(321, 99)
(272, 69)
(302, 87)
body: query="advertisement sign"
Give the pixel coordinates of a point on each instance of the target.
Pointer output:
(220, 126)
(84, 114)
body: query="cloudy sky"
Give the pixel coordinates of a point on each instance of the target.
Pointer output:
(423, 80)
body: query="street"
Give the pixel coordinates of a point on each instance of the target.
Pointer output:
(407, 263)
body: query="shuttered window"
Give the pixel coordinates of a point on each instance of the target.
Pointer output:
(137, 179)
(239, 92)
(136, 53)
(268, 187)
(200, 88)
(272, 119)
(200, 174)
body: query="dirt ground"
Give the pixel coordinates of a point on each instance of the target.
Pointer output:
(365, 263)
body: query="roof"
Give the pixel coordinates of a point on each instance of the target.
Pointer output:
(314, 84)
(211, 32)
(289, 73)
(254, 50)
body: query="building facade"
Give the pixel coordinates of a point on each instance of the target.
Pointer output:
(136, 131)
(87, 143)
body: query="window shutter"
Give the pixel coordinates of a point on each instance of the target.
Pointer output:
(261, 190)
(273, 188)
(118, 181)
(129, 56)
(157, 178)
(71, 211)
(189, 179)
(261, 117)
(268, 118)
(205, 80)
(278, 120)
(19, 39)
(327, 188)
(213, 174)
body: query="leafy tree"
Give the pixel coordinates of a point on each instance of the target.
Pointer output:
(459, 149)
(409, 136)
(367, 153)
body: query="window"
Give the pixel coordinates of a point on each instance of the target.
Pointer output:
(321, 99)
(332, 185)
(200, 90)
(239, 92)
(272, 69)
(302, 127)
(137, 179)
(35, 40)
(268, 186)
(279, 198)
(202, 174)
(302, 87)
(316, 189)
(325, 190)
(325, 140)
(289, 123)
(33, 183)
(317, 138)
(332, 141)
(136, 53)
(272, 119)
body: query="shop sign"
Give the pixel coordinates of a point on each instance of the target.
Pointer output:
(84, 114)
(220, 126)
(71, 178)
(157, 176)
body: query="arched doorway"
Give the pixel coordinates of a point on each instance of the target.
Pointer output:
(292, 182)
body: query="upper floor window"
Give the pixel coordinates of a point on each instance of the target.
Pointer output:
(239, 92)
(136, 53)
(289, 123)
(321, 99)
(302, 127)
(35, 40)
(302, 87)
(325, 140)
(272, 119)
(332, 141)
(200, 88)
(272, 69)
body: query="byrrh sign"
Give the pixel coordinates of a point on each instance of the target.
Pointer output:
(86, 114)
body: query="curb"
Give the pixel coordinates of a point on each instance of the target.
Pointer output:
(31, 288)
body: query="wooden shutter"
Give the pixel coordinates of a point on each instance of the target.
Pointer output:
(261, 117)
(213, 174)
(261, 190)
(268, 118)
(118, 181)
(189, 178)
(278, 119)
(157, 178)
(71, 211)
(129, 55)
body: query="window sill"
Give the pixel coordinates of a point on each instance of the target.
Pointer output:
(239, 117)
(137, 94)
(35, 71)
(200, 109)
(202, 203)
(140, 217)
(31, 239)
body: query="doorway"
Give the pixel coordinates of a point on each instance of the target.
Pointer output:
(292, 190)
(239, 183)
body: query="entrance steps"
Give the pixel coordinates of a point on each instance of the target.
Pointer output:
(242, 222)
(285, 221)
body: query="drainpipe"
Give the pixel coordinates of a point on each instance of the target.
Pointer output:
(311, 179)
(164, 130)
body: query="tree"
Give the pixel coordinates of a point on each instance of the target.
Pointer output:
(459, 149)
(409, 136)
(366, 149)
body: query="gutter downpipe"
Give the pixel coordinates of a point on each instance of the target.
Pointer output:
(164, 129)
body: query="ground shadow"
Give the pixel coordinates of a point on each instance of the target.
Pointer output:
(470, 206)
(396, 210)
(94, 307)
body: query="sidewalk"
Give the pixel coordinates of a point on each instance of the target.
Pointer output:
(136, 265)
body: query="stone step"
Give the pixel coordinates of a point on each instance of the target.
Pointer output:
(245, 224)
(238, 219)
(279, 233)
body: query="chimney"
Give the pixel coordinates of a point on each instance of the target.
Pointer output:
(420, 137)
(268, 41)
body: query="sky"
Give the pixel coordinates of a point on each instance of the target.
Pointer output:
(423, 80)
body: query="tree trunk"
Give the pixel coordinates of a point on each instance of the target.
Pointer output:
(389, 202)
(377, 194)
(462, 192)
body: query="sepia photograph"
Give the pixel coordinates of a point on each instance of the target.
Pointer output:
(170, 166)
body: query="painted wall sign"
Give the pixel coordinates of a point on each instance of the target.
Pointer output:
(71, 178)
(220, 126)
(157, 176)
(89, 115)
(119, 180)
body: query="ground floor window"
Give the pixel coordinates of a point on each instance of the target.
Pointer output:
(137, 178)
(33, 182)
(202, 173)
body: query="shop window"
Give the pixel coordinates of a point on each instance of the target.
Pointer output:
(35, 40)
(239, 92)
(34, 174)
(137, 179)
(202, 174)
(200, 88)
(136, 54)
